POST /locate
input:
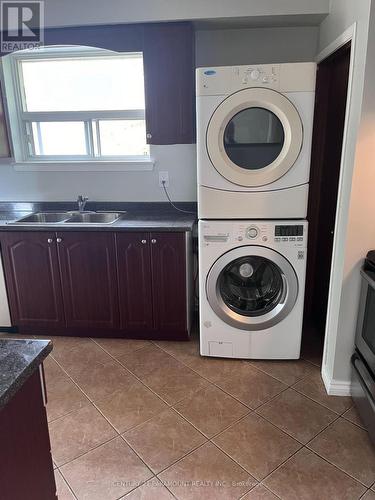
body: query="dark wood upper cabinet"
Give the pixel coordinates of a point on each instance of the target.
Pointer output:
(33, 278)
(134, 270)
(168, 257)
(89, 281)
(169, 71)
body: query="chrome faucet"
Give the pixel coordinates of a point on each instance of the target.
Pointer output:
(82, 200)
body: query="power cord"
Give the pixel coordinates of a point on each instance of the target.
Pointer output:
(171, 202)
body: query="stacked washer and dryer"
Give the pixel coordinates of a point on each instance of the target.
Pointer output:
(254, 130)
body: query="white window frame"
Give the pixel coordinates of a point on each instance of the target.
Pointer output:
(20, 120)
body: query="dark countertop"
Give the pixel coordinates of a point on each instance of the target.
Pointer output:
(139, 216)
(18, 361)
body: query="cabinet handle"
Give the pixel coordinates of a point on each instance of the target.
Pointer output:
(50, 240)
(59, 240)
(143, 242)
(153, 241)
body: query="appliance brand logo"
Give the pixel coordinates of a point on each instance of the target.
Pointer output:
(22, 25)
(210, 72)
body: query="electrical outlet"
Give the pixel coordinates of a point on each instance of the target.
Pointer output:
(163, 176)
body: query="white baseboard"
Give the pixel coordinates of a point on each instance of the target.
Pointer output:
(336, 387)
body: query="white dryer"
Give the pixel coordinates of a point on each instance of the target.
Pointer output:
(254, 129)
(251, 289)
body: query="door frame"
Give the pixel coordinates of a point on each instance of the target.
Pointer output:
(342, 217)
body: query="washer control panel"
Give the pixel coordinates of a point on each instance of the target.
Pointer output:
(253, 233)
(289, 232)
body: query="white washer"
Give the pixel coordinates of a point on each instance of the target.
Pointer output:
(251, 289)
(254, 129)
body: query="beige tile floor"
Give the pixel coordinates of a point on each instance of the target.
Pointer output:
(139, 420)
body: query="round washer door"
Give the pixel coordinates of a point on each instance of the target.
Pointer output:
(254, 137)
(252, 287)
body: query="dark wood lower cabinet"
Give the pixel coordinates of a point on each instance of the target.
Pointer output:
(33, 278)
(99, 283)
(89, 280)
(135, 280)
(169, 285)
(26, 468)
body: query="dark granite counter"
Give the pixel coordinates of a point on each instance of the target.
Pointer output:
(18, 360)
(138, 216)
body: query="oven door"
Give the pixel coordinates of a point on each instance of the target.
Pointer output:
(365, 334)
(254, 137)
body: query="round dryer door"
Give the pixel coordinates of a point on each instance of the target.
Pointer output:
(254, 137)
(252, 287)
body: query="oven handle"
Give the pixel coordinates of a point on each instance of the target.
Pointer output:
(370, 397)
(369, 280)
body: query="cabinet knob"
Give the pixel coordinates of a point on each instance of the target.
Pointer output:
(59, 240)
(50, 240)
(153, 241)
(148, 136)
(143, 242)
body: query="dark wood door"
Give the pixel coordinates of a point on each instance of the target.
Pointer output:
(26, 467)
(33, 278)
(329, 120)
(168, 260)
(134, 275)
(89, 279)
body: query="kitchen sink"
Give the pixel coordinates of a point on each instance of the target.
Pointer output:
(76, 218)
(45, 218)
(94, 218)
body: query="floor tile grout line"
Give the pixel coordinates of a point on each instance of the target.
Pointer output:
(245, 361)
(304, 395)
(263, 486)
(260, 480)
(68, 485)
(140, 380)
(116, 437)
(249, 361)
(249, 412)
(304, 377)
(149, 388)
(87, 396)
(197, 448)
(212, 437)
(337, 467)
(290, 435)
(88, 451)
(327, 460)
(351, 421)
(171, 464)
(318, 402)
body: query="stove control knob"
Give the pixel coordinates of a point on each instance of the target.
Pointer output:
(252, 232)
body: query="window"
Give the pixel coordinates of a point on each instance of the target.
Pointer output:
(70, 104)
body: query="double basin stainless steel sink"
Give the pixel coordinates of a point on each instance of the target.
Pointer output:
(86, 218)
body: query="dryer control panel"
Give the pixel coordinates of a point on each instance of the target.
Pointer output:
(286, 77)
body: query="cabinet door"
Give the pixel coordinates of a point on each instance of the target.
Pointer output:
(33, 278)
(89, 281)
(134, 270)
(168, 258)
(25, 446)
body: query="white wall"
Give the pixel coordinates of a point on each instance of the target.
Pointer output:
(355, 224)
(83, 12)
(179, 160)
(212, 47)
(254, 46)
